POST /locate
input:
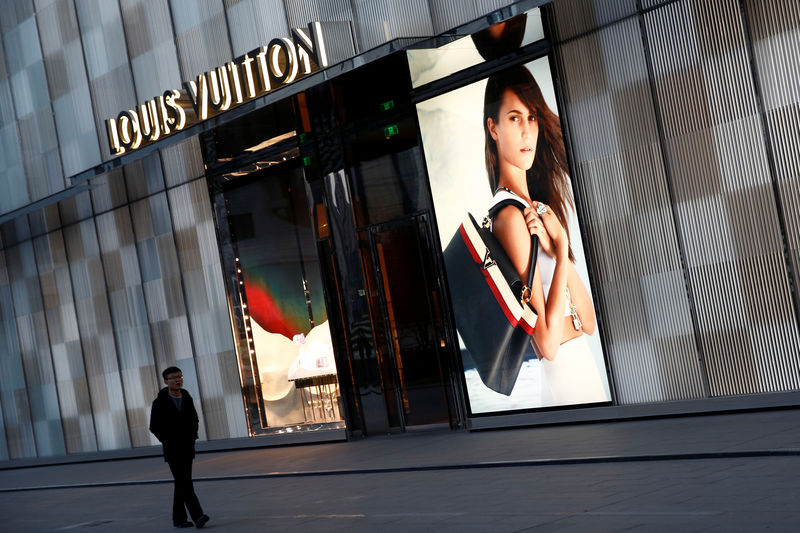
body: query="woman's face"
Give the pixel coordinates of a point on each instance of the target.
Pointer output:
(515, 132)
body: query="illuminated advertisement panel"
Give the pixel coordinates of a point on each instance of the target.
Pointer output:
(494, 150)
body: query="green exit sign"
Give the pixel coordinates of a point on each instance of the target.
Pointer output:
(390, 131)
(386, 106)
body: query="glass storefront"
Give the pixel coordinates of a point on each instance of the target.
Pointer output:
(288, 358)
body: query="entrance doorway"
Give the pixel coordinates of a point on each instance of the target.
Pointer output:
(407, 324)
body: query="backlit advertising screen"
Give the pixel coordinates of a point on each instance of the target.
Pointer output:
(494, 149)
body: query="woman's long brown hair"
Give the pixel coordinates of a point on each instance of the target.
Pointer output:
(547, 178)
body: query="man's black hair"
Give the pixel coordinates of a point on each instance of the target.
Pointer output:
(170, 370)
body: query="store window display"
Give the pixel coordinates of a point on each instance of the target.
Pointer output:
(287, 356)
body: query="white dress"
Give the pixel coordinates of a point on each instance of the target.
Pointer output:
(572, 377)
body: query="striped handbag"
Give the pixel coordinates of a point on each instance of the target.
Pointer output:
(490, 301)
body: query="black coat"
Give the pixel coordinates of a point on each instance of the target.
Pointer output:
(177, 430)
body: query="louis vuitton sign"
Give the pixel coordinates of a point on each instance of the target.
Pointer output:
(249, 76)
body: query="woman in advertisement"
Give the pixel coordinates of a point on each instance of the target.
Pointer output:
(525, 157)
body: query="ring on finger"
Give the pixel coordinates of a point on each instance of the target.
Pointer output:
(541, 209)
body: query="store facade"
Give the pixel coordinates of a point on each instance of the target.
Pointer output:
(277, 221)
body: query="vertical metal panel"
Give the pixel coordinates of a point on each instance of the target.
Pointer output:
(151, 46)
(69, 86)
(108, 191)
(300, 12)
(775, 31)
(380, 22)
(622, 193)
(110, 81)
(44, 220)
(75, 208)
(65, 344)
(163, 291)
(35, 349)
(13, 189)
(574, 17)
(15, 231)
(13, 393)
(97, 336)
(144, 177)
(726, 209)
(447, 14)
(254, 23)
(3, 439)
(140, 377)
(182, 162)
(206, 303)
(201, 35)
(653, 3)
(37, 133)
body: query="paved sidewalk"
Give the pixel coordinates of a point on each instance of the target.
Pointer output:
(723, 472)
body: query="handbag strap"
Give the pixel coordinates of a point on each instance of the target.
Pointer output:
(520, 204)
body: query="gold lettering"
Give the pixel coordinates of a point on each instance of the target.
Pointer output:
(305, 49)
(220, 88)
(319, 44)
(263, 70)
(113, 137)
(149, 121)
(249, 81)
(177, 116)
(287, 72)
(257, 72)
(236, 82)
(129, 132)
(198, 93)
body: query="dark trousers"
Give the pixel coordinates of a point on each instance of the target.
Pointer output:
(184, 497)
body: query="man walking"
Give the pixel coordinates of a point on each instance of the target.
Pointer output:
(174, 422)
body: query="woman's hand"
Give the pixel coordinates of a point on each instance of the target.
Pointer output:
(555, 236)
(536, 227)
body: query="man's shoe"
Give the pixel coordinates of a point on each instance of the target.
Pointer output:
(185, 523)
(201, 521)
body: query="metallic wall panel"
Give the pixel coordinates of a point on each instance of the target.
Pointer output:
(140, 378)
(182, 162)
(144, 177)
(724, 199)
(775, 30)
(35, 349)
(3, 439)
(110, 80)
(622, 192)
(44, 220)
(69, 86)
(108, 191)
(447, 14)
(206, 303)
(14, 12)
(253, 23)
(15, 231)
(65, 343)
(379, 22)
(300, 12)
(97, 336)
(37, 133)
(201, 35)
(163, 291)
(151, 47)
(13, 189)
(13, 393)
(75, 208)
(574, 17)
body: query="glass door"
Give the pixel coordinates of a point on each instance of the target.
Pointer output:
(407, 324)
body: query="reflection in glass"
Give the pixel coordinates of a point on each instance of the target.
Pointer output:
(288, 355)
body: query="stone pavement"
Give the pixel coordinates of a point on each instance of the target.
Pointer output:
(721, 472)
